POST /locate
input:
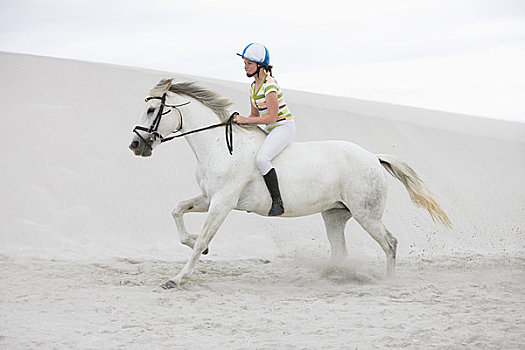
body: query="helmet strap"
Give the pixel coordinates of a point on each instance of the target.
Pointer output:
(256, 72)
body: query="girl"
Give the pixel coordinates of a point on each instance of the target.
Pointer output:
(269, 108)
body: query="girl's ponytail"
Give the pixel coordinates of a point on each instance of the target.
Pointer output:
(268, 69)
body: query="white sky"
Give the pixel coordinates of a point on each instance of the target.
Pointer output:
(463, 56)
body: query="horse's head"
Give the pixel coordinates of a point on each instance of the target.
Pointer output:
(155, 123)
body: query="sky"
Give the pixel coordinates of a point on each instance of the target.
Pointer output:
(463, 56)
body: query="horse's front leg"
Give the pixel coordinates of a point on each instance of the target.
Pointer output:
(217, 213)
(199, 204)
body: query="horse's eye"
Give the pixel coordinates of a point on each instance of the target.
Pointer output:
(151, 110)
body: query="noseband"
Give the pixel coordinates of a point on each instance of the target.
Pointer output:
(153, 129)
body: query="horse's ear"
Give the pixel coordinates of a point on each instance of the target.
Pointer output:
(162, 87)
(166, 83)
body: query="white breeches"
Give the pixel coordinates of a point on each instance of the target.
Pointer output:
(277, 139)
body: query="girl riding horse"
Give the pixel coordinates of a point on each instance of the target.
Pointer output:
(269, 108)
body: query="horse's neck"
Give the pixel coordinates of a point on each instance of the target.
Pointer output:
(205, 143)
(210, 145)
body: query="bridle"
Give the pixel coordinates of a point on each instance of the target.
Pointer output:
(153, 129)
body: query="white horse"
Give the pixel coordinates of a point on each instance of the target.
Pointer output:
(338, 179)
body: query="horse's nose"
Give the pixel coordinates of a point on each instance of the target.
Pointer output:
(134, 145)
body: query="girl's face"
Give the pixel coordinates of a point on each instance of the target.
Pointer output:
(249, 66)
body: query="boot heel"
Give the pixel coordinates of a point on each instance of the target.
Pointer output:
(277, 208)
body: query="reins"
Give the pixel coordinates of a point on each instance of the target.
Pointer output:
(153, 129)
(228, 132)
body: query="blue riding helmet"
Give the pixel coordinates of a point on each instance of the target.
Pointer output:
(257, 53)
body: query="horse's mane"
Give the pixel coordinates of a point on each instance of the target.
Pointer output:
(218, 104)
(209, 98)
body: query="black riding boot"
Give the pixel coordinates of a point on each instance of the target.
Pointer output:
(273, 186)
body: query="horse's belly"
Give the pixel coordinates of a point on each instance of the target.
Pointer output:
(310, 180)
(297, 200)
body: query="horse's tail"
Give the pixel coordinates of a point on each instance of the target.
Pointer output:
(419, 193)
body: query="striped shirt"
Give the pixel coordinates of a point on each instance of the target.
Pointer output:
(259, 101)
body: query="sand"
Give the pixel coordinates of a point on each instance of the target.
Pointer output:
(87, 236)
(454, 302)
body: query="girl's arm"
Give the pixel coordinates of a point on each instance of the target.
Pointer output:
(254, 118)
(254, 111)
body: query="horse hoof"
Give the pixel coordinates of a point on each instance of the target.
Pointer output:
(168, 285)
(205, 252)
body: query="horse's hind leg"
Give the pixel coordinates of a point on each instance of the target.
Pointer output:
(388, 243)
(335, 222)
(198, 204)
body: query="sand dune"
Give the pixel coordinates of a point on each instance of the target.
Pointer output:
(73, 192)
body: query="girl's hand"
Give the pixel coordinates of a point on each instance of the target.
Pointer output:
(240, 119)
